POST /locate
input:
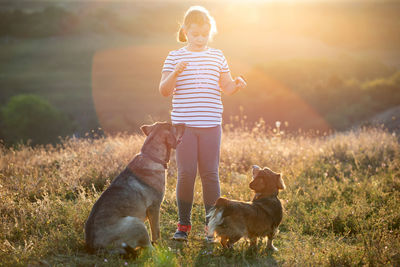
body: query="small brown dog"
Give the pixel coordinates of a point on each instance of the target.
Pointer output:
(231, 220)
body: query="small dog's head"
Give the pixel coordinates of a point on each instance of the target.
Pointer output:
(266, 182)
(170, 134)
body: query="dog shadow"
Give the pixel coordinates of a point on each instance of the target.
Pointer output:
(240, 255)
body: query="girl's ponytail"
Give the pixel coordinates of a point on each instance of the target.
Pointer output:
(181, 36)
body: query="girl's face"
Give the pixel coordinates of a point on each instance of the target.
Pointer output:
(197, 36)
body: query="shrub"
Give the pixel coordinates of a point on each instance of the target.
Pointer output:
(29, 118)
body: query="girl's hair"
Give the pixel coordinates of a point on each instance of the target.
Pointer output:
(198, 15)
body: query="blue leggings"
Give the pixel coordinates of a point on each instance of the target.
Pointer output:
(199, 147)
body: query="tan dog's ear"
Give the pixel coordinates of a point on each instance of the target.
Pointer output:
(256, 170)
(281, 184)
(146, 129)
(179, 130)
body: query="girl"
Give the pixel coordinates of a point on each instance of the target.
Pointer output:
(196, 74)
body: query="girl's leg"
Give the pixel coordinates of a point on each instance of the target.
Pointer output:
(186, 158)
(209, 150)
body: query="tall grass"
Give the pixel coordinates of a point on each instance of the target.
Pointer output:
(341, 202)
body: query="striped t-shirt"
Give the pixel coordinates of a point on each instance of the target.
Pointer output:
(197, 95)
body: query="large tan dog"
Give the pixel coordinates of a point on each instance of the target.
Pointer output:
(116, 221)
(232, 220)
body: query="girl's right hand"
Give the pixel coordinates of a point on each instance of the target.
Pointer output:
(180, 67)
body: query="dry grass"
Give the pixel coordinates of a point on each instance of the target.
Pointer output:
(341, 203)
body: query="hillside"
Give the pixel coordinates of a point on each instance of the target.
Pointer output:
(389, 119)
(306, 64)
(341, 202)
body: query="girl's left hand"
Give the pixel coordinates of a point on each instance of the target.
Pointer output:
(240, 82)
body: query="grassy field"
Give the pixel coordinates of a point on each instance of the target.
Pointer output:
(341, 202)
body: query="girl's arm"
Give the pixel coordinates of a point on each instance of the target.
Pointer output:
(230, 86)
(168, 79)
(167, 83)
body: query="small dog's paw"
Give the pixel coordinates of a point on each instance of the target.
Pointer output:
(272, 248)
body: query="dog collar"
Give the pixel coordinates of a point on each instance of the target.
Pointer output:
(157, 160)
(262, 198)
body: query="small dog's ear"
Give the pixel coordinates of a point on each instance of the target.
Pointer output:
(281, 184)
(221, 202)
(256, 170)
(146, 129)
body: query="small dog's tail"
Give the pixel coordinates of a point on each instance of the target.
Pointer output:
(215, 220)
(215, 215)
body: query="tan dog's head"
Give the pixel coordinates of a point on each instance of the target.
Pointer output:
(168, 133)
(266, 182)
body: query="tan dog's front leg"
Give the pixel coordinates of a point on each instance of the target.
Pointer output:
(153, 214)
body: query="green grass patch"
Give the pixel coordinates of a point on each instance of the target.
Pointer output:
(341, 202)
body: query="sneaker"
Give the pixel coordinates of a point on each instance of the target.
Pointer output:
(180, 236)
(182, 232)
